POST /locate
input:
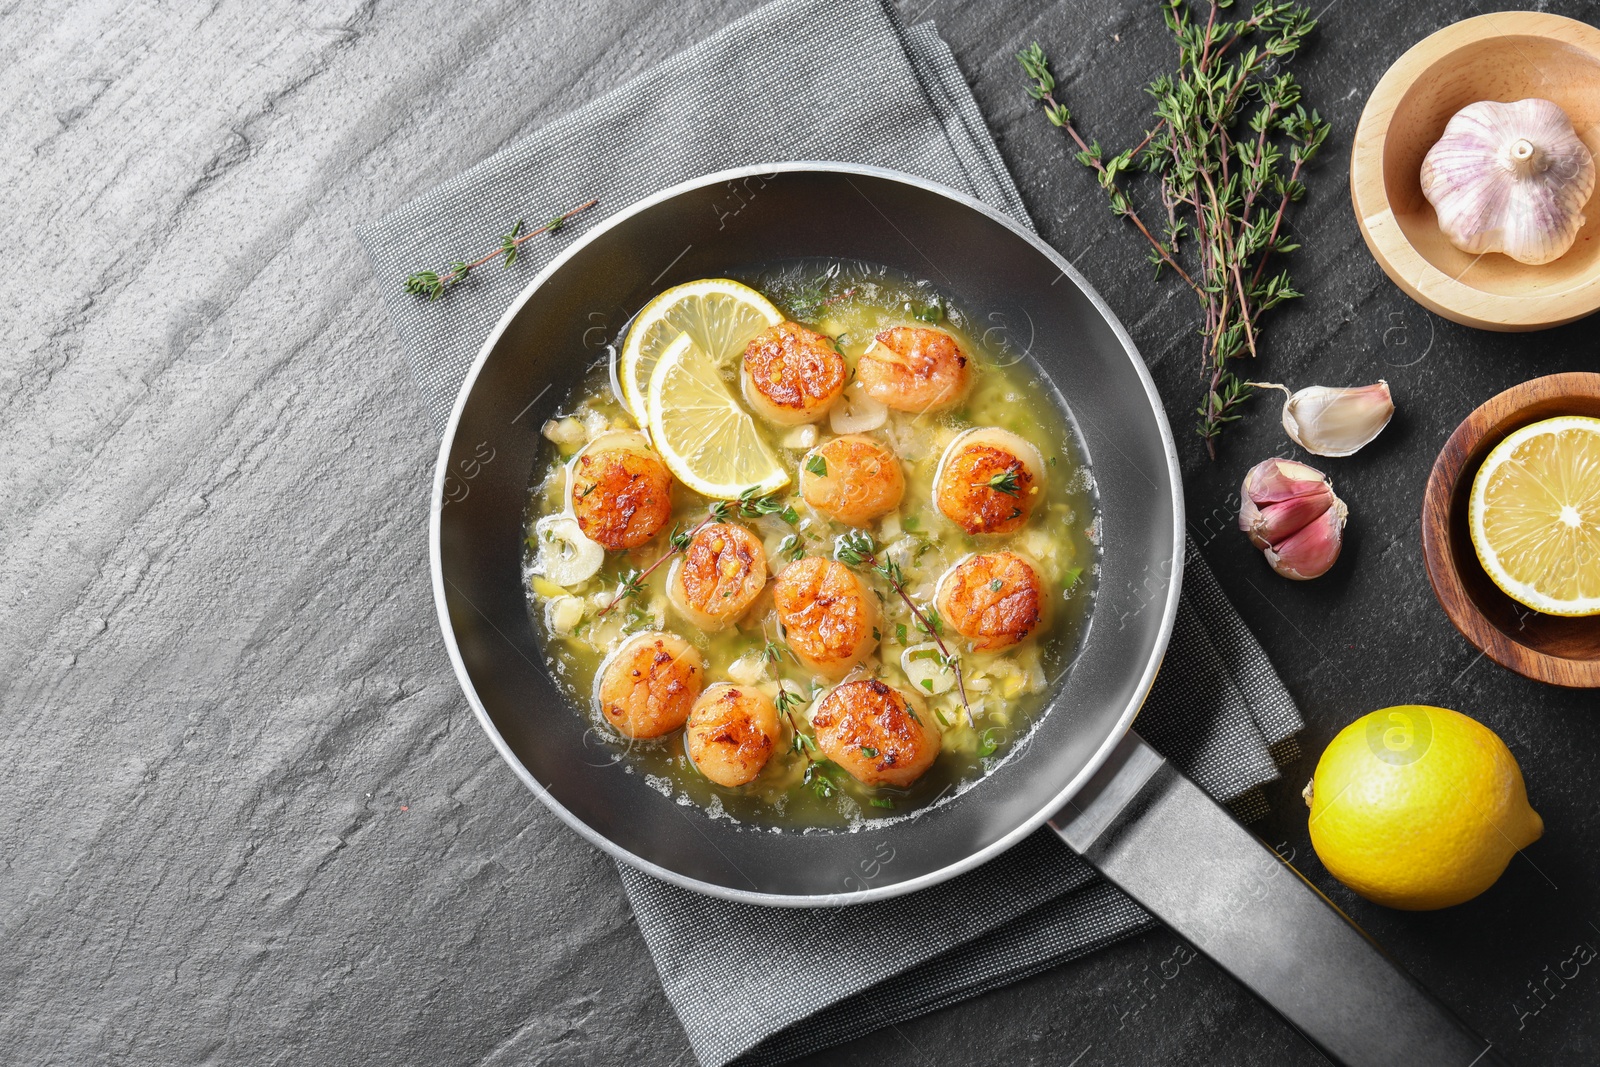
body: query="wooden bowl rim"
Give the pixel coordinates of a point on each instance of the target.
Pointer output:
(1499, 411)
(1406, 267)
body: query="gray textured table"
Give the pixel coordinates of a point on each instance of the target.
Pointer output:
(247, 816)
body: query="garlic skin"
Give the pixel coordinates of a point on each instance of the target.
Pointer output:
(1510, 178)
(1290, 512)
(1335, 422)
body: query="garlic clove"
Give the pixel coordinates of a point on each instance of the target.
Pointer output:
(1273, 480)
(1335, 422)
(1275, 523)
(1314, 548)
(1510, 178)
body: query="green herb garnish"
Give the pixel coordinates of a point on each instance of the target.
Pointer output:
(1225, 183)
(817, 465)
(432, 284)
(1004, 482)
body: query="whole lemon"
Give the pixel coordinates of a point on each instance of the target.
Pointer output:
(1418, 807)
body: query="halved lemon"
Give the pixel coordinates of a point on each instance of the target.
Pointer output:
(1535, 516)
(706, 439)
(719, 315)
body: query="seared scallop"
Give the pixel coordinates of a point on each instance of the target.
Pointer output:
(913, 368)
(619, 491)
(791, 374)
(646, 687)
(879, 734)
(718, 577)
(853, 479)
(993, 599)
(732, 731)
(829, 617)
(988, 481)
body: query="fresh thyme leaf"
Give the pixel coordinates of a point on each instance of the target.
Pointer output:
(927, 683)
(790, 516)
(876, 636)
(820, 783)
(855, 548)
(508, 245)
(880, 802)
(994, 586)
(900, 632)
(792, 547)
(910, 523)
(817, 465)
(680, 538)
(987, 744)
(1070, 579)
(1004, 482)
(869, 752)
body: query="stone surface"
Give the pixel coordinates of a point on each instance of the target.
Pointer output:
(247, 816)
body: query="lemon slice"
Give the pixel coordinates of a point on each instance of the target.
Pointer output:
(706, 439)
(1535, 516)
(720, 315)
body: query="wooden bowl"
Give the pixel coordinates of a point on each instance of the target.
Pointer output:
(1510, 55)
(1546, 648)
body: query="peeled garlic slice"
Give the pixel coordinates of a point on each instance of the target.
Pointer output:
(1335, 422)
(1510, 178)
(856, 412)
(562, 614)
(924, 671)
(566, 555)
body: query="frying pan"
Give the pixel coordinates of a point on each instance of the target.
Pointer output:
(1084, 771)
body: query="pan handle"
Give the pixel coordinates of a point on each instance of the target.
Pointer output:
(1188, 862)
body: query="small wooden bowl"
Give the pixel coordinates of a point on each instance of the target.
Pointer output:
(1506, 56)
(1546, 648)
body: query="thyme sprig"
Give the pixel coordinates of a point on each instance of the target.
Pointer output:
(1223, 189)
(751, 504)
(858, 549)
(432, 284)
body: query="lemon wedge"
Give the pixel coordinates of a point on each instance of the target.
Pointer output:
(1534, 516)
(719, 315)
(705, 438)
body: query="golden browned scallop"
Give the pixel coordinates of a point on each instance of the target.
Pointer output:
(828, 616)
(994, 599)
(853, 479)
(646, 687)
(718, 577)
(791, 374)
(732, 731)
(882, 736)
(619, 490)
(988, 481)
(913, 368)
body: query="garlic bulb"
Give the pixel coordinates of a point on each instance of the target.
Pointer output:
(1289, 511)
(1510, 178)
(1327, 421)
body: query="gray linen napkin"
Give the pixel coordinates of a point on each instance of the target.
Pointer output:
(743, 978)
